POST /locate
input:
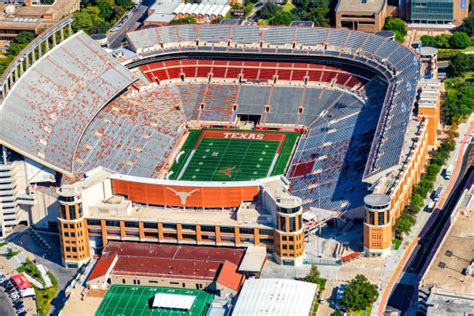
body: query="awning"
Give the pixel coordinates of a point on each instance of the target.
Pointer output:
(173, 301)
(21, 281)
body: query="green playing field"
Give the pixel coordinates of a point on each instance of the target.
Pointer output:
(224, 159)
(127, 300)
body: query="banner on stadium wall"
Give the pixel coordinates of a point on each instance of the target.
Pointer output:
(199, 196)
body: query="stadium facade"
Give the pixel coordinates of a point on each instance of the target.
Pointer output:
(103, 132)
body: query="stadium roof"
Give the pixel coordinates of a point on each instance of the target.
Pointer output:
(47, 110)
(275, 297)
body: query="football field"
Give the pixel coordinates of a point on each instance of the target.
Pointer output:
(127, 300)
(215, 155)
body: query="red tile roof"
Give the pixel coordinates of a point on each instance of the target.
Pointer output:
(102, 266)
(229, 277)
(166, 268)
(170, 261)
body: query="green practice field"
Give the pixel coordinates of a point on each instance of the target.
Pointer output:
(205, 156)
(128, 300)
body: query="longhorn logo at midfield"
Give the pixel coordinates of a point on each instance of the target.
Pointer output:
(183, 195)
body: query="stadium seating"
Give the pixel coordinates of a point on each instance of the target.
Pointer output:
(48, 111)
(264, 71)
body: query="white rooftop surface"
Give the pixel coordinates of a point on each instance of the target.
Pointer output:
(163, 11)
(275, 297)
(254, 259)
(173, 301)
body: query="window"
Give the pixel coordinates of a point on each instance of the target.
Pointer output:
(167, 235)
(188, 236)
(381, 218)
(248, 231)
(188, 227)
(208, 229)
(131, 224)
(123, 281)
(72, 212)
(292, 224)
(268, 232)
(225, 229)
(371, 218)
(282, 223)
(150, 225)
(66, 198)
(62, 211)
(93, 222)
(112, 223)
(169, 226)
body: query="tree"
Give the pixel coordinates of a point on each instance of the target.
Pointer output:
(467, 25)
(359, 294)
(404, 224)
(282, 18)
(24, 37)
(105, 9)
(126, 4)
(459, 64)
(397, 26)
(459, 40)
(313, 275)
(269, 10)
(82, 21)
(188, 20)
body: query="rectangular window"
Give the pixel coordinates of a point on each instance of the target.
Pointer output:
(131, 224)
(381, 218)
(282, 224)
(188, 236)
(72, 212)
(292, 224)
(150, 225)
(248, 231)
(268, 232)
(188, 227)
(211, 229)
(225, 229)
(112, 223)
(93, 222)
(169, 226)
(371, 218)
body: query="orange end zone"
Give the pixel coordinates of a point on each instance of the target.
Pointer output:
(242, 135)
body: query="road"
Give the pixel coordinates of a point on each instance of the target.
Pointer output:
(405, 293)
(116, 38)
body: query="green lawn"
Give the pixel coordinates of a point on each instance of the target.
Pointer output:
(396, 244)
(362, 313)
(223, 159)
(127, 300)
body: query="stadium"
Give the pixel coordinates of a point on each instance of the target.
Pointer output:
(211, 118)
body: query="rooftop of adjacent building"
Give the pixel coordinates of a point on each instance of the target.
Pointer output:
(164, 260)
(55, 11)
(455, 254)
(362, 6)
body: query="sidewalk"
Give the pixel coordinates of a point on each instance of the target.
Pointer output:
(398, 259)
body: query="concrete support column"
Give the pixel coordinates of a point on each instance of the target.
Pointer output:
(54, 40)
(69, 27)
(21, 68)
(47, 44)
(61, 31)
(40, 51)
